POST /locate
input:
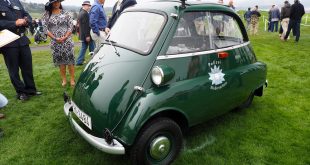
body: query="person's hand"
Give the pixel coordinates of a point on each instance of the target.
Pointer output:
(20, 22)
(63, 39)
(87, 39)
(107, 30)
(27, 20)
(59, 40)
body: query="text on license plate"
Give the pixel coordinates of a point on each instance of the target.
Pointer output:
(83, 117)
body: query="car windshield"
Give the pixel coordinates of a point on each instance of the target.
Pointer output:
(137, 31)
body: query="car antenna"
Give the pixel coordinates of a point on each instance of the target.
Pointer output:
(183, 5)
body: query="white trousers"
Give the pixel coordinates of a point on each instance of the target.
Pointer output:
(284, 24)
(98, 39)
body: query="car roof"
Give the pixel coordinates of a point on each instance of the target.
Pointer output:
(169, 6)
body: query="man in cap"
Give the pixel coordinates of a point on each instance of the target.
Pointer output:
(17, 54)
(297, 11)
(84, 32)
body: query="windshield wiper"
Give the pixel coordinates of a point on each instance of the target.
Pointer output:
(111, 43)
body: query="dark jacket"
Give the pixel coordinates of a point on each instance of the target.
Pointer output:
(247, 15)
(275, 14)
(8, 16)
(84, 28)
(285, 11)
(115, 13)
(255, 13)
(297, 11)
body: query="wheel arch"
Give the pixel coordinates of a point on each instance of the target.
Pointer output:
(172, 114)
(169, 113)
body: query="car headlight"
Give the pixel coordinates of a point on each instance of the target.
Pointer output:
(157, 75)
(162, 74)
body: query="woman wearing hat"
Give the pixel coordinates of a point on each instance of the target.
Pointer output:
(58, 25)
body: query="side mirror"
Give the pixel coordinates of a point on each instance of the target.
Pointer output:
(3, 101)
(162, 74)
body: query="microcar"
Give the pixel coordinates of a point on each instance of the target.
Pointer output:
(165, 67)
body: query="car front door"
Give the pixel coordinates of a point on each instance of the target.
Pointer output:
(203, 53)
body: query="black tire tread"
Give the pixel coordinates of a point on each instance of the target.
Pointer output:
(146, 132)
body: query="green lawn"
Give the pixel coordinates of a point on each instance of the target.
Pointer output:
(274, 130)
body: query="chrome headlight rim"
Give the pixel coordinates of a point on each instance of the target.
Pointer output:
(157, 75)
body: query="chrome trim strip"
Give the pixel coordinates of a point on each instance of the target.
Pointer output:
(164, 57)
(100, 143)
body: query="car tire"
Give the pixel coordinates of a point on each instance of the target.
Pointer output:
(248, 102)
(159, 142)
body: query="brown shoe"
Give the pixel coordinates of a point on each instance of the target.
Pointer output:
(2, 116)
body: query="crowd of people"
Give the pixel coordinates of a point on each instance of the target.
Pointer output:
(284, 21)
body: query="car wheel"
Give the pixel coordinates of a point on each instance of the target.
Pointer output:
(248, 102)
(159, 142)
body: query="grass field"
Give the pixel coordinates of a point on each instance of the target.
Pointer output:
(274, 130)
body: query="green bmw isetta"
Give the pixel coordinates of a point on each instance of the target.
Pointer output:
(166, 66)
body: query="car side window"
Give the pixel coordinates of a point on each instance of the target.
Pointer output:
(202, 31)
(192, 34)
(225, 31)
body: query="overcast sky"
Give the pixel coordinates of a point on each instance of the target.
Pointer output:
(238, 3)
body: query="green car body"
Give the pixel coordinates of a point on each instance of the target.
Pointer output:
(117, 91)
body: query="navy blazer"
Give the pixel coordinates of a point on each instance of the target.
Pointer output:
(115, 14)
(8, 16)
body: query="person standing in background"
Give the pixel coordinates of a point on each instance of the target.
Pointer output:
(297, 11)
(255, 14)
(84, 32)
(98, 23)
(247, 18)
(17, 54)
(58, 25)
(285, 17)
(274, 18)
(231, 5)
(118, 8)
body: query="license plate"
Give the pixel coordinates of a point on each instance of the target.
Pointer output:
(85, 119)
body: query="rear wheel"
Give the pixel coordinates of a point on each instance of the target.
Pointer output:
(248, 102)
(159, 142)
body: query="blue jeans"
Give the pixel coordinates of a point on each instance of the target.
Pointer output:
(90, 45)
(295, 25)
(274, 26)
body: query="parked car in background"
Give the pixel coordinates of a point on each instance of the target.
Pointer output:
(166, 66)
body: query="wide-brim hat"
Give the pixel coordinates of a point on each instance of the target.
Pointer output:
(86, 3)
(52, 1)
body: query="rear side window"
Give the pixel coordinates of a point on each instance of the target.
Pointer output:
(225, 31)
(202, 31)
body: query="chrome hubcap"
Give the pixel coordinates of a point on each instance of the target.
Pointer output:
(160, 148)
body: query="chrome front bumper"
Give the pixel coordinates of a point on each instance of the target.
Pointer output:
(100, 143)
